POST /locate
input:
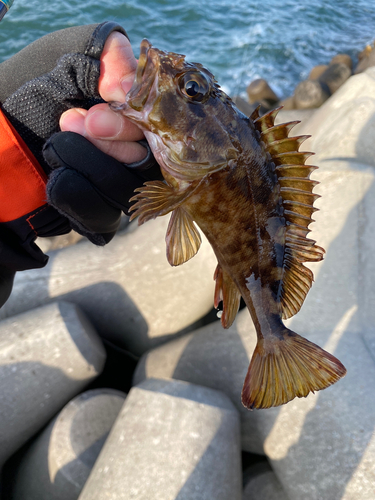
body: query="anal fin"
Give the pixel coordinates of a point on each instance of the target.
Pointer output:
(226, 291)
(282, 369)
(182, 238)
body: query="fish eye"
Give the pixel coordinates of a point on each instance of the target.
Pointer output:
(194, 85)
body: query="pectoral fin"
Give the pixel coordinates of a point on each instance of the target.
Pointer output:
(182, 238)
(226, 291)
(156, 198)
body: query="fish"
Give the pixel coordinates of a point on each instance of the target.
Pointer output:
(243, 181)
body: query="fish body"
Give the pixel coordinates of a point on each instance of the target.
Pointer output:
(243, 181)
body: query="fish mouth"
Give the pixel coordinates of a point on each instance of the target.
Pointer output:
(147, 69)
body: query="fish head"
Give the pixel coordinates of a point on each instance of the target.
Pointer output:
(187, 119)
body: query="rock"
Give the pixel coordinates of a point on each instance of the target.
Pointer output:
(301, 115)
(172, 440)
(132, 295)
(366, 59)
(243, 105)
(317, 71)
(324, 446)
(336, 307)
(342, 59)
(262, 484)
(59, 461)
(260, 91)
(212, 357)
(344, 127)
(335, 75)
(310, 94)
(56, 242)
(47, 356)
(365, 52)
(287, 103)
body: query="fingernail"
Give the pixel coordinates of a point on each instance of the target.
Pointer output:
(104, 124)
(73, 121)
(127, 83)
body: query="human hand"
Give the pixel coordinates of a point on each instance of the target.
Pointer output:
(109, 131)
(88, 187)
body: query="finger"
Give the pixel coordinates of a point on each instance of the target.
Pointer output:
(124, 149)
(73, 120)
(125, 152)
(100, 122)
(117, 68)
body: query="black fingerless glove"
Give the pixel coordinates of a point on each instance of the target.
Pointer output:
(85, 177)
(76, 185)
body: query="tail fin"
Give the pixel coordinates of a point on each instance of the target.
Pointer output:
(286, 367)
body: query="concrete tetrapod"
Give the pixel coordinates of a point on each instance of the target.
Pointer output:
(261, 483)
(47, 356)
(219, 358)
(322, 446)
(59, 461)
(172, 440)
(131, 294)
(343, 127)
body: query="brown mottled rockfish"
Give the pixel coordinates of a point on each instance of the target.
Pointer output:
(244, 182)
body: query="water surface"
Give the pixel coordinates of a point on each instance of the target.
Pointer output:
(237, 41)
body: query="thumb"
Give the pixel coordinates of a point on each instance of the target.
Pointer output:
(117, 68)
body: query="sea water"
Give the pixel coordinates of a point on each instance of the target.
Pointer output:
(238, 41)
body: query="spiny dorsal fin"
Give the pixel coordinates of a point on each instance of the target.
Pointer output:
(286, 145)
(226, 291)
(182, 238)
(266, 121)
(296, 191)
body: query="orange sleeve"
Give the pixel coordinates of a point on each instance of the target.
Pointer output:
(22, 179)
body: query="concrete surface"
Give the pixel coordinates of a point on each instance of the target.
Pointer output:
(172, 440)
(47, 356)
(128, 289)
(59, 461)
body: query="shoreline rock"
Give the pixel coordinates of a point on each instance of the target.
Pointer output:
(323, 81)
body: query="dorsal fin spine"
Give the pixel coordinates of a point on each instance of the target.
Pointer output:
(279, 131)
(296, 191)
(286, 145)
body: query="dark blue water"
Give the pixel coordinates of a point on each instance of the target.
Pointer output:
(238, 41)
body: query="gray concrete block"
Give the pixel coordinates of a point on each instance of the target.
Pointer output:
(259, 90)
(344, 127)
(340, 286)
(291, 115)
(244, 106)
(343, 59)
(323, 447)
(215, 358)
(47, 356)
(317, 71)
(127, 288)
(172, 440)
(335, 75)
(310, 94)
(59, 461)
(219, 358)
(262, 484)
